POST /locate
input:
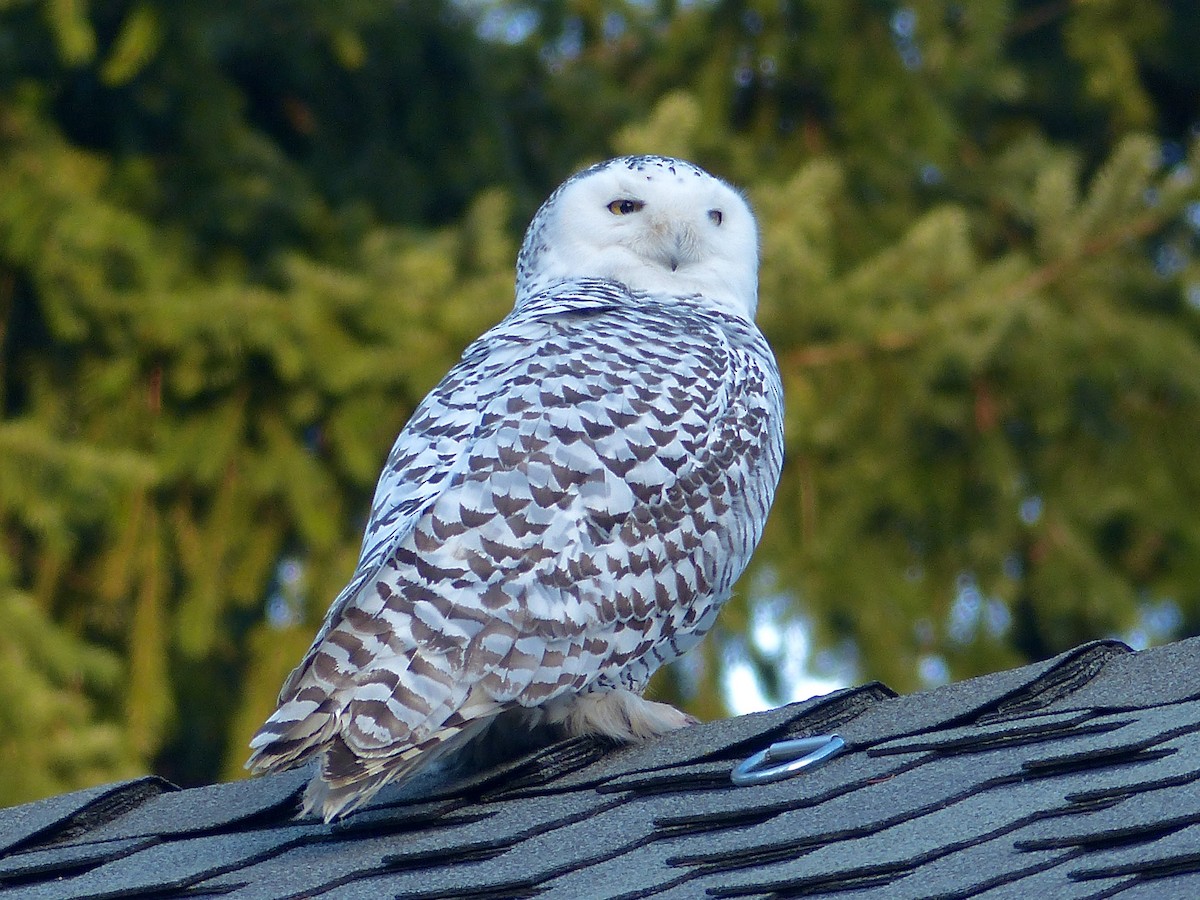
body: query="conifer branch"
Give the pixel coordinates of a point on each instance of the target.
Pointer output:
(1055, 270)
(817, 355)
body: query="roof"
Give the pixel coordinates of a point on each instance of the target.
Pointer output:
(1075, 777)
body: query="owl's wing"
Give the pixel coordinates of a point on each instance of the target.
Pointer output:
(433, 448)
(584, 459)
(428, 453)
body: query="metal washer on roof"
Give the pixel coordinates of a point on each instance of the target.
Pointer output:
(790, 756)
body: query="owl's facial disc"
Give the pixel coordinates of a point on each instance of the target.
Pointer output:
(656, 225)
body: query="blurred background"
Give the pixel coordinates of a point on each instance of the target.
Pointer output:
(240, 240)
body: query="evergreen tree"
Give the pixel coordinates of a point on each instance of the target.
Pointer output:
(238, 242)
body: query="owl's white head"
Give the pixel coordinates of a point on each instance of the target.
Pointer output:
(655, 224)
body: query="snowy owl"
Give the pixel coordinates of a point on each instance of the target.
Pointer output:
(569, 508)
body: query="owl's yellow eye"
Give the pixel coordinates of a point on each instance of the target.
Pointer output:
(625, 207)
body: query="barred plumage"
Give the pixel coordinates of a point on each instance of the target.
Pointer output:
(569, 507)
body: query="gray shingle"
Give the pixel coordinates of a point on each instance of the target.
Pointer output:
(22, 824)
(1050, 884)
(305, 869)
(970, 872)
(219, 806)
(1138, 816)
(1155, 677)
(1017, 692)
(63, 861)
(168, 865)
(1185, 887)
(634, 873)
(899, 848)
(1178, 850)
(972, 738)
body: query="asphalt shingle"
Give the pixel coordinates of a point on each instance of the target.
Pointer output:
(23, 824)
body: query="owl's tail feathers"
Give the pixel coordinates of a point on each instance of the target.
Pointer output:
(293, 733)
(348, 777)
(362, 745)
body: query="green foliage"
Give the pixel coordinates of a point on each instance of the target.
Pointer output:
(53, 690)
(238, 243)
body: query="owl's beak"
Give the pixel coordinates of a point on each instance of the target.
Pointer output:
(679, 245)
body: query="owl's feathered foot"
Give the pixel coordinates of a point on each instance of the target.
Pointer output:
(618, 714)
